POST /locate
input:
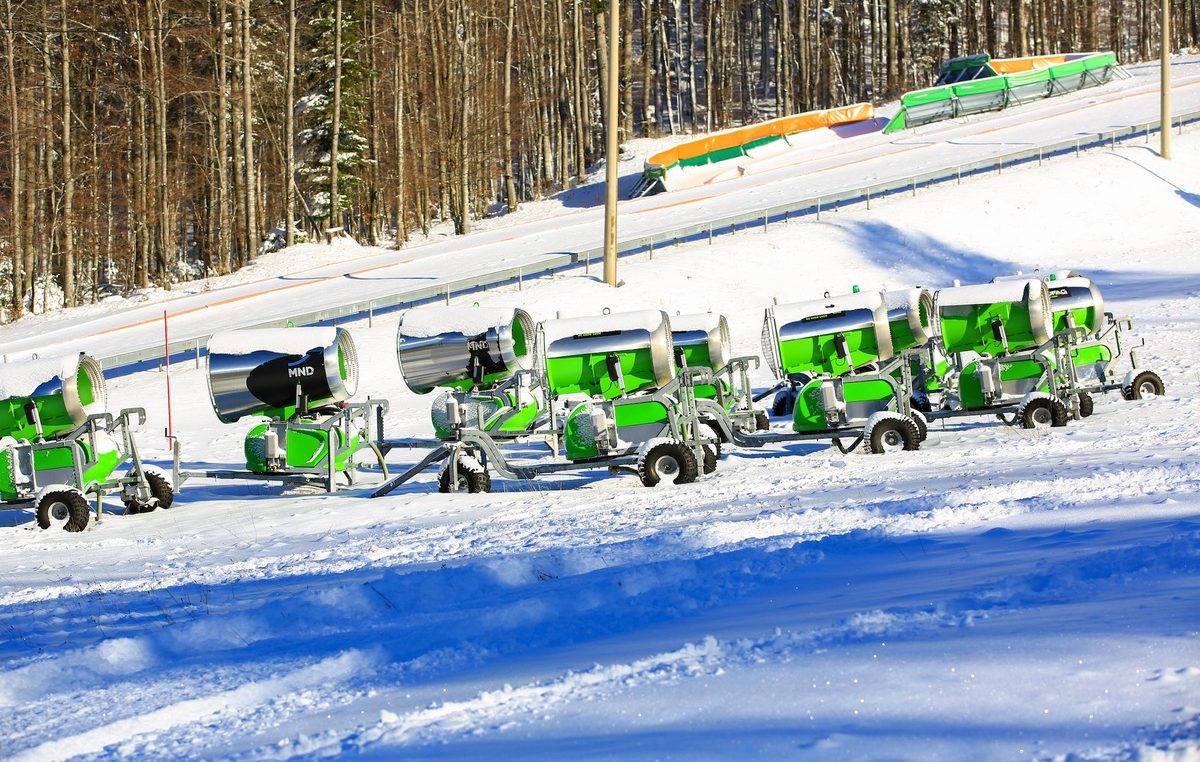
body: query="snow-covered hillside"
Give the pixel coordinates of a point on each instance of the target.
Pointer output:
(999, 594)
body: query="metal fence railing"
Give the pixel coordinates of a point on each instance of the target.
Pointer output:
(136, 359)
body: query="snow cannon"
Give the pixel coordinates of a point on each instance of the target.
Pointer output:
(48, 398)
(1075, 301)
(280, 372)
(59, 445)
(702, 341)
(481, 358)
(910, 317)
(613, 401)
(607, 356)
(994, 319)
(615, 362)
(302, 380)
(462, 347)
(834, 335)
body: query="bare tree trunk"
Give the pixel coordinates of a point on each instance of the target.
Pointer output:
(68, 168)
(14, 157)
(251, 189)
(289, 130)
(398, 72)
(510, 161)
(221, 157)
(334, 200)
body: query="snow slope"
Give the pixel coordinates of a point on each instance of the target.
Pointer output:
(311, 277)
(998, 594)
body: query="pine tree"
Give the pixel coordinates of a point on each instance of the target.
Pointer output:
(316, 109)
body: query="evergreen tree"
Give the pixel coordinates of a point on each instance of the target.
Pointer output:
(316, 110)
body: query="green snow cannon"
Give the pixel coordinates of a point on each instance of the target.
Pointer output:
(910, 318)
(1006, 323)
(58, 444)
(994, 319)
(46, 399)
(702, 341)
(615, 362)
(831, 350)
(300, 378)
(834, 335)
(480, 357)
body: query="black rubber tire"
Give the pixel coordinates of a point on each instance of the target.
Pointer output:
(922, 425)
(666, 459)
(762, 421)
(783, 404)
(1041, 407)
(712, 453)
(472, 481)
(160, 489)
(68, 502)
(891, 431)
(1145, 384)
(1087, 405)
(920, 403)
(717, 434)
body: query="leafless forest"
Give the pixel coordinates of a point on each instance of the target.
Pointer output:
(153, 141)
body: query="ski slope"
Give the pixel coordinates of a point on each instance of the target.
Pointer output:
(361, 274)
(998, 594)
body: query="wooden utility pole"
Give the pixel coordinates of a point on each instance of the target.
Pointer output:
(289, 131)
(610, 162)
(334, 215)
(1165, 132)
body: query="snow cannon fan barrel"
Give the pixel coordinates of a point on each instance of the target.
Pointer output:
(607, 355)
(994, 318)
(1076, 303)
(279, 372)
(701, 340)
(56, 393)
(1075, 300)
(833, 335)
(910, 317)
(462, 347)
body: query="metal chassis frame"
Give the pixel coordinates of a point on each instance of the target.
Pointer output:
(723, 420)
(1112, 332)
(677, 394)
(350, 414)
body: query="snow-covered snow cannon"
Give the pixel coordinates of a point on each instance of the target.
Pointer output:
(614, 401)
(59, 444)
(1098, 339)
(480, 358)
(702, 341)
(301, 380)
(1006, 354)
(838, 377)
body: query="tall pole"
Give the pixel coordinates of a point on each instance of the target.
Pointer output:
(1165, 148)
(611, 158)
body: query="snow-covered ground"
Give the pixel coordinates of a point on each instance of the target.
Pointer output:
(998, 594)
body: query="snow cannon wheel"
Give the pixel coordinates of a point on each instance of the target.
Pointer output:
(1087, 405)
(162, 495)
(712, 452)
(761, 421)
(892, 434)
(472, 477)
(670, 462)
(1042, 413)
(63, 508)
(1145, 385)
(922, 425)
